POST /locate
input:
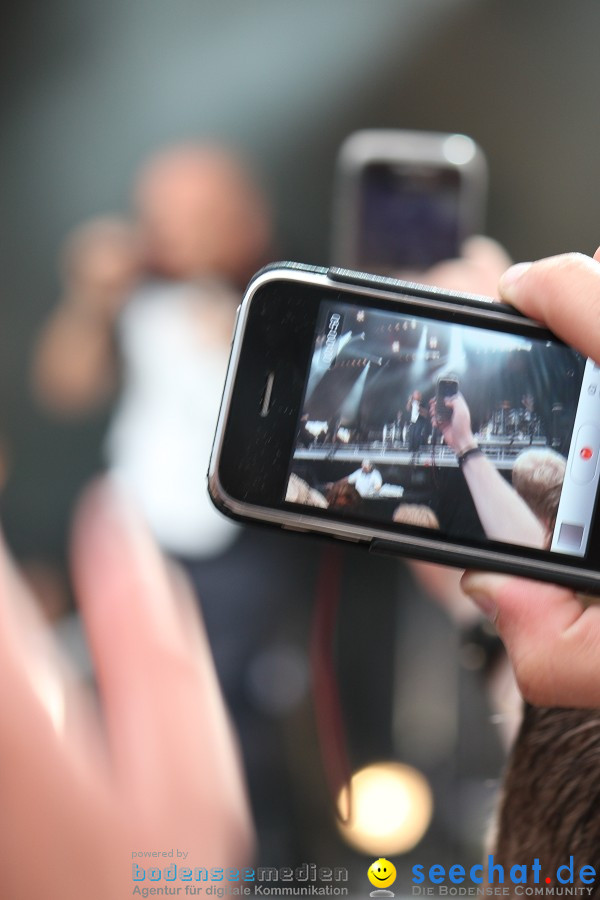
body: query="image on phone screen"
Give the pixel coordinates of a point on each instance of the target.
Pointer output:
(374, 436)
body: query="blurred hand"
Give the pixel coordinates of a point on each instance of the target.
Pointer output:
(551, 633)
(457, 429)
(74, 368)
(101, 263)
(148, 765)
(476, 271)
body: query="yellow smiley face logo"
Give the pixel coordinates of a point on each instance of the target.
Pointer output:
(382, 873)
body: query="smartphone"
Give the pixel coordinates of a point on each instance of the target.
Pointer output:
(404, 200)
(315, 410)
(447, 386)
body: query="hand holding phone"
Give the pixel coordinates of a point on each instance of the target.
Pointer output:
(455, 423)
(552, 634)
(340, 348)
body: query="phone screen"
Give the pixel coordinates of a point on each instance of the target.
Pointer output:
(409, 216)
(370, 447)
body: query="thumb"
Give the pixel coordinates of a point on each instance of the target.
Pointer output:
(550, 634)
(563, 292)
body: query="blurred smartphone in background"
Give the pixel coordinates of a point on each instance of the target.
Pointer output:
(405, 200)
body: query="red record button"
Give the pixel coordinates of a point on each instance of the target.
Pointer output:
(585, 458)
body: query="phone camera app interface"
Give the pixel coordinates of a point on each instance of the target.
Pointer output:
(476, 434)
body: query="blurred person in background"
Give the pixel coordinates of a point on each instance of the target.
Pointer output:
(158, 299)
(146, 317)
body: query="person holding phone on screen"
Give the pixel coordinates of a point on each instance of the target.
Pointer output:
(504, 515)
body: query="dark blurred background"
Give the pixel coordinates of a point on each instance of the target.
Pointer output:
(88, 90)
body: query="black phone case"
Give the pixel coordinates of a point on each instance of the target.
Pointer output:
(465, 558)
(385, 283)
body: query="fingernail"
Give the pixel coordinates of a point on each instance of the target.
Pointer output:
(508, 281)
(481, 589)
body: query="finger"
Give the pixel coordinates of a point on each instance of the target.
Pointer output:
(452, 401)
(563, 292)
(552, 638)
(31, 697)
(57, 690)
(131, 622)
(167, 729)
(45, 767)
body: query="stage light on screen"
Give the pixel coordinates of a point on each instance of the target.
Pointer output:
(350, 406)
(396, 347)
(492, 342)
(346, 338)
(456, 360)
(390, 807)
(419, 360)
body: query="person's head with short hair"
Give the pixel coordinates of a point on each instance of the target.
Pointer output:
(367, 465)
(538, 475)
(202, 213)
(342, 495)
(418, 514)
